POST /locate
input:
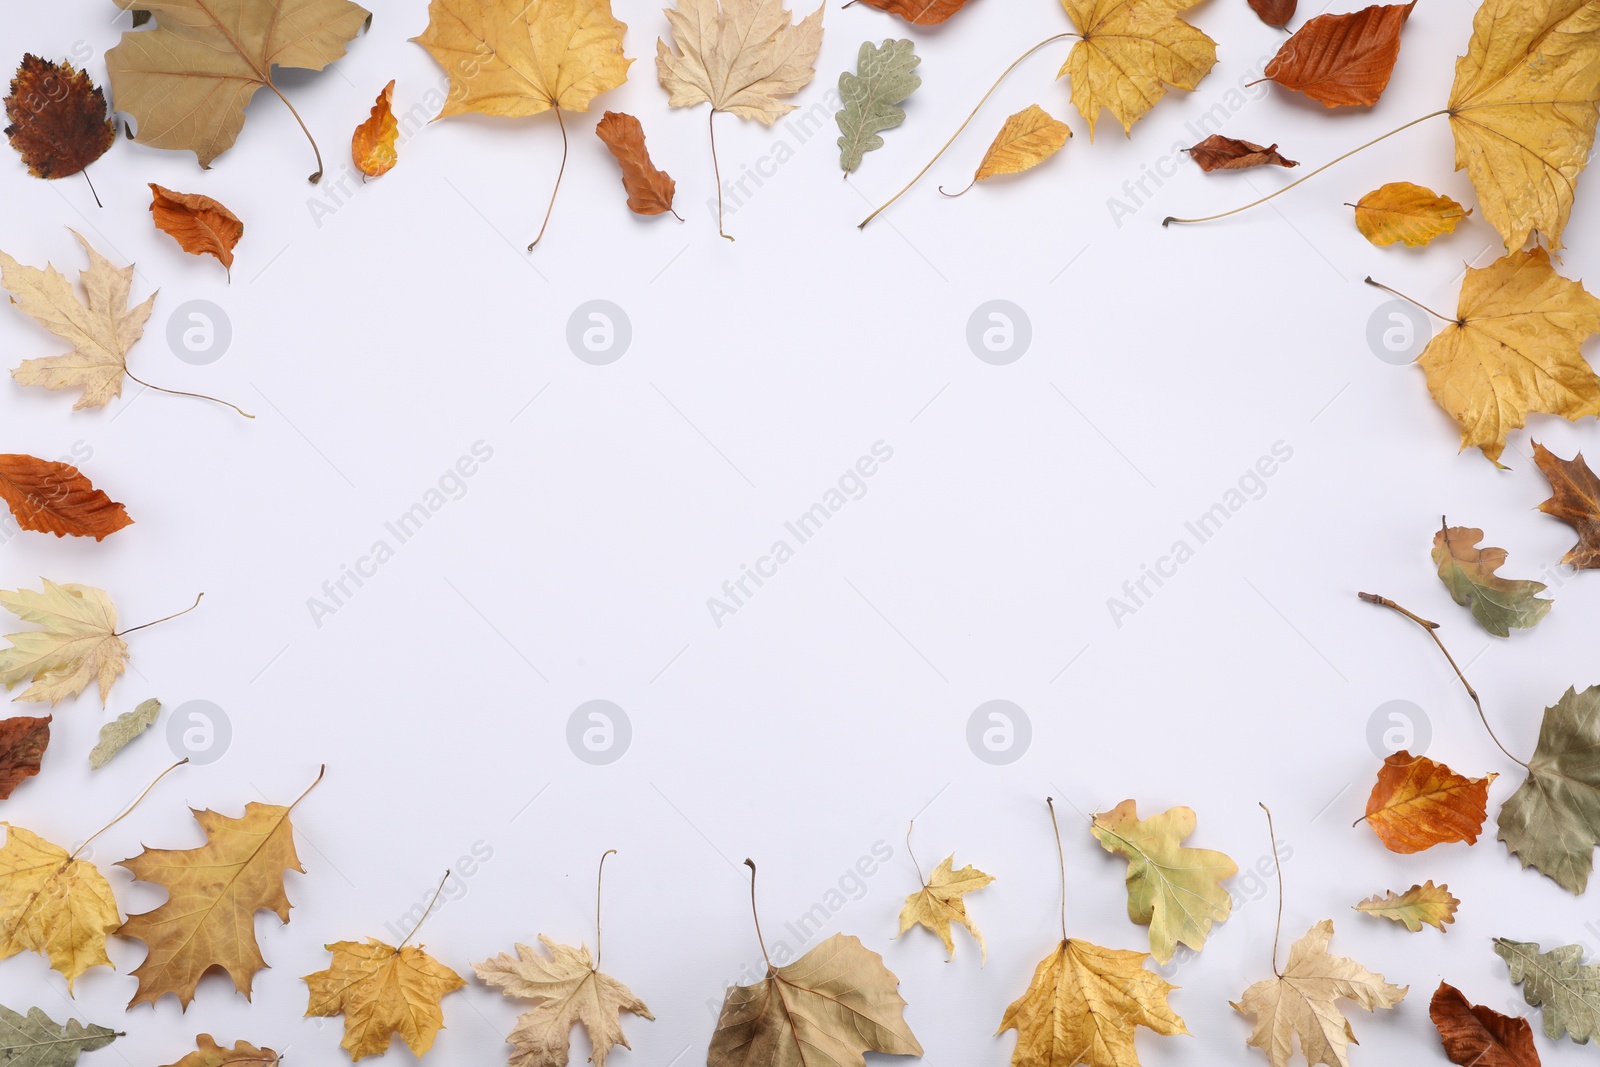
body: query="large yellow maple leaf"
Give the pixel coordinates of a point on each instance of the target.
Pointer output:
(1130, 53)
(382, 991)
(53, 903)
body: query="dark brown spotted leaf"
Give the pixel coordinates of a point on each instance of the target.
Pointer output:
(1229, 153)
(57, 118)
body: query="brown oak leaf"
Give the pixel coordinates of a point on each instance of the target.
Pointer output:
(650, 191)
(23, 740)
(201, 226)
(919, 12)
(1575, 500)
(53, 497)
(1342, 60)
(1229, 153)
(1476, 1036)
(57, 118)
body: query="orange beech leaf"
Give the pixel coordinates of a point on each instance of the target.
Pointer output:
(1229, 153)
(919, 12)
(1342, 60)
(200, 225)
(372, 145)
(23, 740)
(56, 498)
(1475, 1036)
(1418, 803)
(650, 191)
(1274, 12)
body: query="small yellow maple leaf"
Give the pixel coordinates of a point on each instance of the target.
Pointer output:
(567, 991)
(1426, 903)
(382, 991)
(941, 902)
(78, 643)
(1129, 53)
(54, 904)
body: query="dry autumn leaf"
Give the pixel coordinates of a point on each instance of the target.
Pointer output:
(118, 734)
(1129, 52)
(1174, 890)
(1401, 211)
(57, 119)
(1575, 500)
(1522, 110)
(1229, 153)
(213, 894)
(1426, 903)
(1417, 803)
(1552, 821)
(1027, 139)
(201, 226)
(942, 901)
(1476, 1036)
(884, 77)
(186, 81)
(372, 145)
(567, 990)
(53, 497)
(208, 1053)
(1468, 571)
(919, 12)
(23, 739)
(54, 904)
(36, 1040)
(1560, 983)
(382, 991)
(1276, 13)
(78, 643)
(650, 191)
(1342, 60)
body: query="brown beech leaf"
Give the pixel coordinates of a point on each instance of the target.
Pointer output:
(23, 740)
(201, 226)
(649, 190)
(1575, 500)
(1475, 1036)
(920, 12)
(372, 145)
(1417, 803)
(1229, 153)
(53, 497)
(1342, 60)
(1274, 12)
(57, 118)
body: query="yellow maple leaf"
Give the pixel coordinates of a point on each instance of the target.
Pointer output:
(941, 901)
(1083, 1006)
(1514, 348)
(78, 642)
(382, 991)
(1523, 108)
(1426, 903)
(1401, 211)
(567, 991)
(1129, 53)
(54, 904)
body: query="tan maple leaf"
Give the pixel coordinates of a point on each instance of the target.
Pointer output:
(78, 642)
(54, 904)
(941, 902)
(1129, 53)
(567, 991)
(382, 991)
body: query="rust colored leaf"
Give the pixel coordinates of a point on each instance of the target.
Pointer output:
(1229, 153)
(201, 226)
(921, 12)
(650, 191)
(1575, 500)
(56, 498)
(1418, 803)
(1274, 12)
(372, 145)
(1342, 60)
(1476, 1036)
(23, 740)
(57, 118)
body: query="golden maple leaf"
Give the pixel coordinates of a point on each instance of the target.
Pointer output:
(941, 901)
(1523, 110)
(1426, 903)
(1514, 348)
(1083, 1006)
(1130, 52)
(567, 991)
(382, 991)
(1303, 1002)
(53, 903)
(77, 645)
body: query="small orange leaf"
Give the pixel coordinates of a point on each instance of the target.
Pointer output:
(56, 498)
(919, 12)
(1342, 60)
(1418, 803)
(650, 191)
(372, 146)
(200, 225)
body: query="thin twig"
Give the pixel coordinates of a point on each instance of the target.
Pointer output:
(599, 875)
(128, 810)
(425, 913)
(1272, 839)
(559, 172)
(716, 169)
(1061, 857)
(756, 915)
(180, 392)
(921, 880)
(1407, 299)
(153, 622)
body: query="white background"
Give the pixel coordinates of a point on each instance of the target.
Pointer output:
(377, 341)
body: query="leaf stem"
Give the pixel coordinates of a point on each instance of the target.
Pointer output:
(1061, 858)
(425, 913)
(1407, 299)
(599, 876)
(128, 810)
(754, 914)
(320, 772)
(965, 123)
(180, 392)
(174, 615)
(1277, 929)
(92, 191)
(317, 176)
(923, 881)
(963, 192)
(1432, 628)
(716, 172)
(1312, 174)
(559, 172)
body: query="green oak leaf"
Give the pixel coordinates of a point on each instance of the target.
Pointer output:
(1558, 982)
(1499, 604)
(114, 736)
(885, 76)
(36, 1040)
(1552, 821)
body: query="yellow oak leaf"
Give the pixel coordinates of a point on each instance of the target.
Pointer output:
(567, 991)
(1304, 1000)
(1027, 139)
(208, 1053)
(1426, 903)
(1514, 348)
(77, 644)
(1523, 110)
(1175, 891)
(1130, 53)
(1083, 1006)
(54, 904)
(1401, 211)
(941, 901)
(382, 991)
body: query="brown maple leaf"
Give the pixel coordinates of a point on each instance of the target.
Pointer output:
(53, 497)
(1342, 60)
(650, 191)
(58, 119)
(1575, 500)
(201, 226)
(1230, 153)
(23, 740)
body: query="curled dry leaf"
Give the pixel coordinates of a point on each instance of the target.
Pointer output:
(1575, 500)
(36, 1040)
(1552, 821)
(118, 734)
(1499, 604)
(1027, 139)
(382, 991)
(919, 12)
(1426, 903)
(54, 904)
(208, 1053)
(1476, 1036)
(53, 497)
(566, 991)
(1229, 153)
(942, 901)
(1417, 803)
(23, 740)
(885, 76)
(1274, 12)
(1560, 983)
(1129, 53)
(650, 191)
(57, 117)
(201, 226)
(1342, 60)
(78, 642)
(1401, 211)
(372, 145)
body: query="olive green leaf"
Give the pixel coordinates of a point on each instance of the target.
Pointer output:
(1499, 604)
(36, 1040)
(884, 77)
(114, 736)
(1552, 821)
(1558, 982)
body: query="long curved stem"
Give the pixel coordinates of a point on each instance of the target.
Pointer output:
(754, 914)
(920, 880)
(129, 809)
(1061, 857)
(317, 176)
(716, 173)
(1338, 159)
(965, 123)
(1407, 299)
(197, 598)
(180, 392)
(1277, 929)
(599, 880)
(559, 172)
(437, 893)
